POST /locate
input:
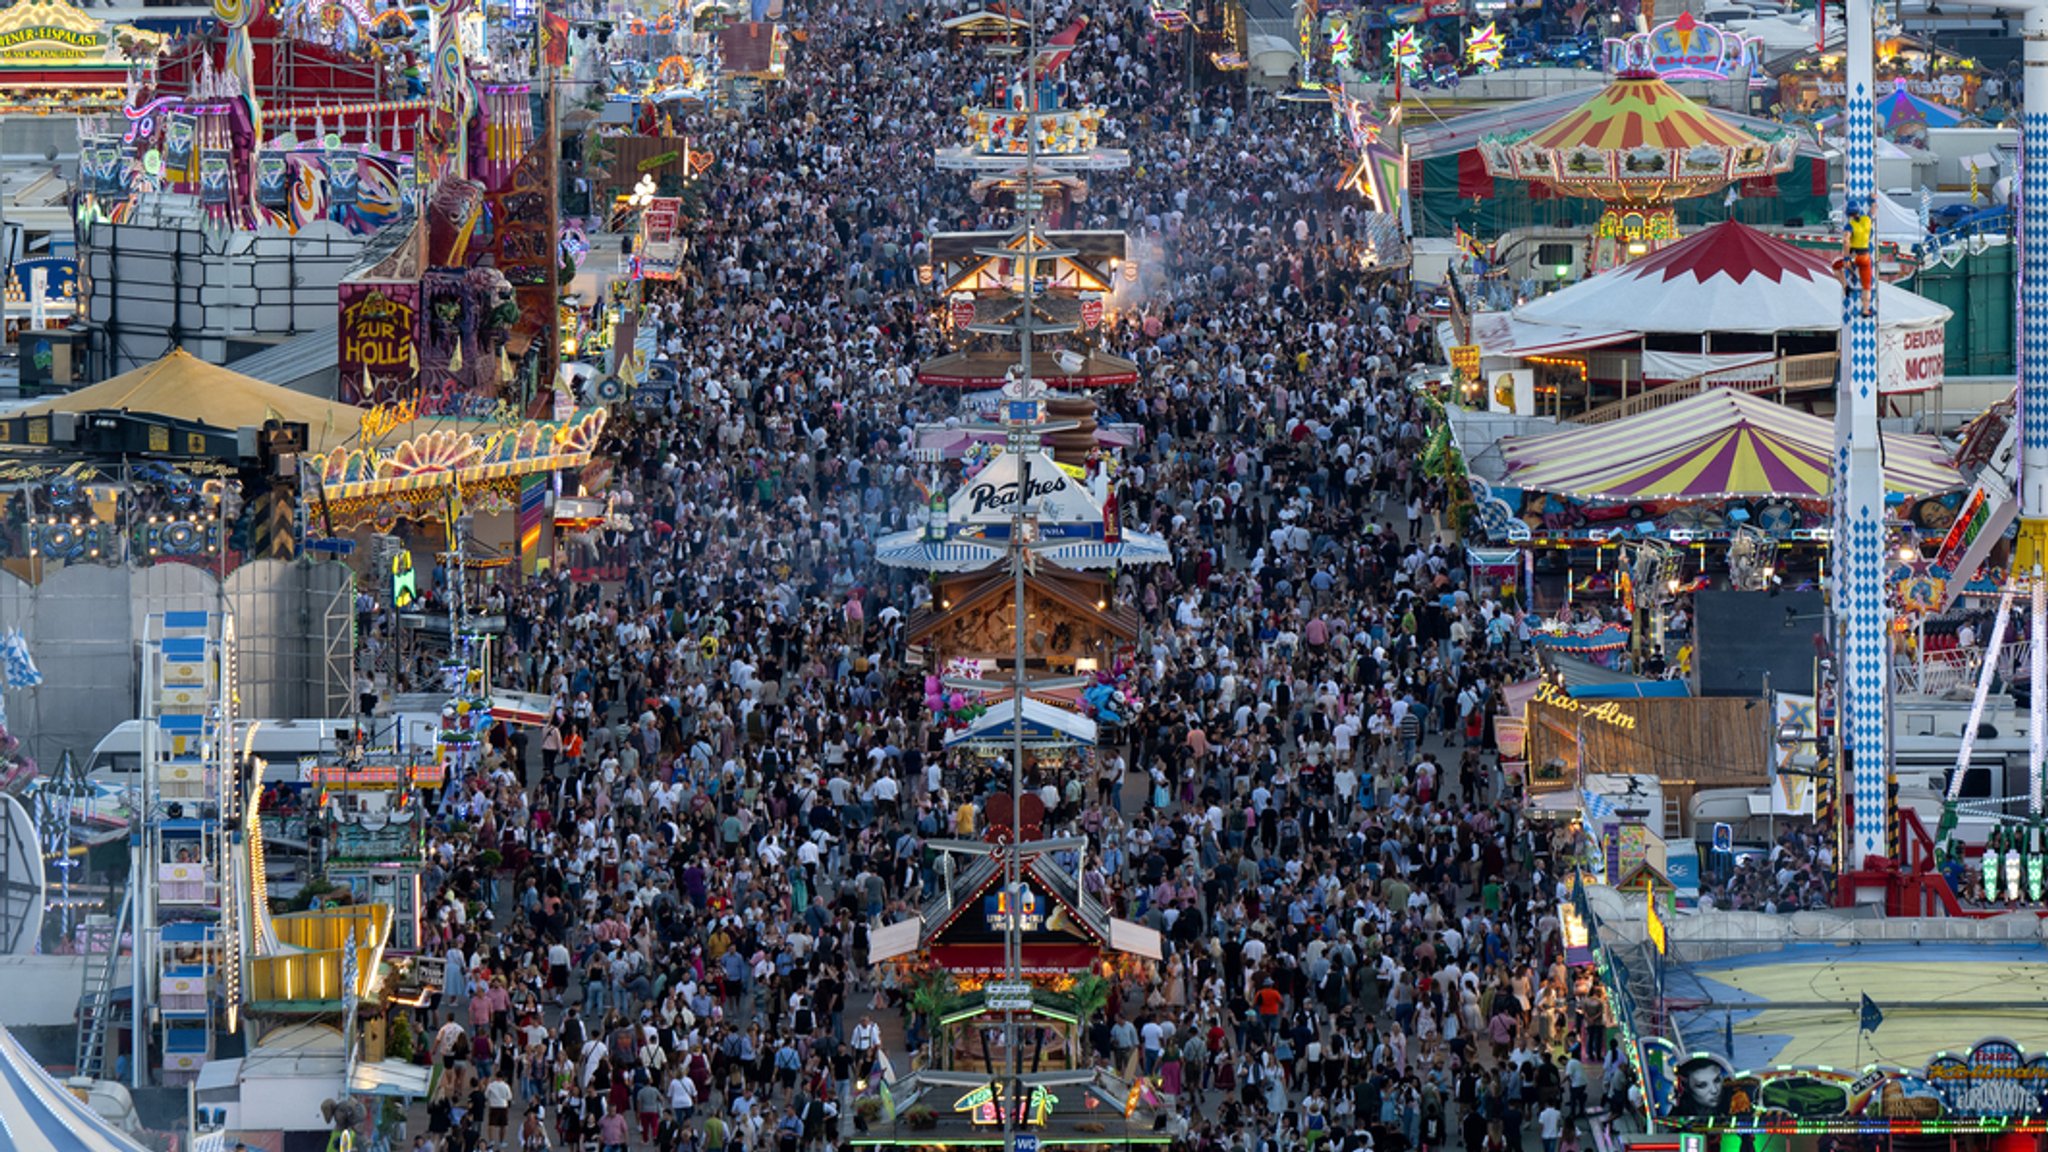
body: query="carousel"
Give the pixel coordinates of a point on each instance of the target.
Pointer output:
(949, 959)
(1639, 147)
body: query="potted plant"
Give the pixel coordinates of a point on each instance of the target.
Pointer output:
(866, 1110)
(399, 1045)
(921, 1118)
(1090, 994)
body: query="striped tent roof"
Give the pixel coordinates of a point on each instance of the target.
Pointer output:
(1635, 111)
(37, 1112)
(1720, 443)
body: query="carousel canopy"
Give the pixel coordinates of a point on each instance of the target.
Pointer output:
(1726, 278)
(1638, 139)
(1045, 726)
(1720, 443)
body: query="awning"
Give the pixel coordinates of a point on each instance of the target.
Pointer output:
(1044, 727)
(893, 940)
(1135, 939)
(1134, 548)
(911, 550)
(1501, 334)
(390, 1078)
(528, 708)
(1632, 690)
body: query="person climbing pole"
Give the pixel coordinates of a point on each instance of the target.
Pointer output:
(1856, 241)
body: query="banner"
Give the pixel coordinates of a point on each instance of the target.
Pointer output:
(379, 323)
(1512, 391)
(344, 180)
(1748, 371)
(555, 40)
(110, 170)
(1511, 735)
(273, 180)
(215, 189)
(1910, 359)
(1795, 716)
(180, 129)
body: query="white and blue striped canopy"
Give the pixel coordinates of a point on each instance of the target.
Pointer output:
(37, 1112)
(911, 550)
(1134, 548)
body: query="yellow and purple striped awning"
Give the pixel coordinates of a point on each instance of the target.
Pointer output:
(1720, 443)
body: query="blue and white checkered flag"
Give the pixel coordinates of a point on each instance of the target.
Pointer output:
(17, 663)
(1598, 806)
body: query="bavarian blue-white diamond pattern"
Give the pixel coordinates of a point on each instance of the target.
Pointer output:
(2033, 290)
(1859, 526)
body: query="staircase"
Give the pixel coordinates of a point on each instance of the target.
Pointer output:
(1795, 374)
(97, 1003)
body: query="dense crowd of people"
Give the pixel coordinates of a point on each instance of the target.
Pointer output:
(668, 947)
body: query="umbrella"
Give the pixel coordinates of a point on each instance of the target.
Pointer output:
(1900, 108)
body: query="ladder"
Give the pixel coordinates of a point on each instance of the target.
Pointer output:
(98, 1001)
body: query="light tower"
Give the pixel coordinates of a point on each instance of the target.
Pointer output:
(2030, 555)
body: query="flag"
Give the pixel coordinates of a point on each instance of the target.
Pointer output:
(1871, 1017)
(1598, 806)
(15, 661)
(1055, 51)
(554, 40)
(1652, 922)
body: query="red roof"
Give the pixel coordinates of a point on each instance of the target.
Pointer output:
(1733, 248)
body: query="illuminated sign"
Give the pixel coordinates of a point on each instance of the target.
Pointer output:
(1686, 49)
(985, 1105)
(404, 584)
(1465, 359)
(386, 418)
(1022, 906)
(49, 43)
(1607, 712)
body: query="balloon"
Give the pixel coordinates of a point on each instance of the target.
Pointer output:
(931, 685)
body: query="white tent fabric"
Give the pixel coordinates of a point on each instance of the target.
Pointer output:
(1134, 548)
(1727, 278)
(37, 1112)
(1898, 224)
(909, 549)
(1044, 726)
(1505, 334)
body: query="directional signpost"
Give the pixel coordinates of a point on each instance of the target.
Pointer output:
(1008, 997)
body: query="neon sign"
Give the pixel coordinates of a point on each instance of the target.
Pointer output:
(1022, 905)
(986, 1105)
(1607, 713)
